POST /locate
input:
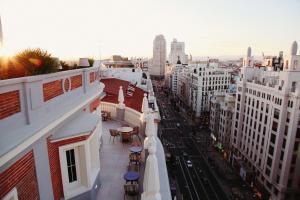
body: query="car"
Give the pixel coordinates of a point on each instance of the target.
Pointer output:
(189, 163)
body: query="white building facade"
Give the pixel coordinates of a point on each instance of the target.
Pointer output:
(157, 68)
(204, 82)
(221, 112)
(265, 133)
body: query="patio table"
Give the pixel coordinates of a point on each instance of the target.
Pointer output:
(125, 133)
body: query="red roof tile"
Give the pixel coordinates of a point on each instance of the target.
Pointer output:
(111, 89)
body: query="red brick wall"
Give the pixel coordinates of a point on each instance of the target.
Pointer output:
(9, 104)
(52, 89)
(21, 175)
(55, 171)
(94, 104)
(92, 77)
(76, 82)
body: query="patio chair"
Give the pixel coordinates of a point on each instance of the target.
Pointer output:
(131, 190)
(135, 132)
(108, 116)
(133, 167)
(113, 133)
(134, 158)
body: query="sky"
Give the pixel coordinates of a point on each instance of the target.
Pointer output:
(92, 28)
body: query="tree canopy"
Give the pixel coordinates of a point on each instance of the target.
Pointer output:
(28, 63)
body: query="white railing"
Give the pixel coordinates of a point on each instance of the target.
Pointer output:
(109, 107)
(133, 117)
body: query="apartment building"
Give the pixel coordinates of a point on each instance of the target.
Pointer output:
(221, 112)
(265, 133)
(205, 80)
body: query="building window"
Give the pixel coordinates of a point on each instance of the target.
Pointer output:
(294, 159)
(269, 161)
(276, 113)
(267, 171)
(79, 163)
(286, 130)
(296, 146)
(71, 165)
(298, 133)
(271, 150)
(273, 138)
(12, 195)
(274, 126)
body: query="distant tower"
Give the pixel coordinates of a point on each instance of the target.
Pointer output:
(1, 35)
(159, 57)
(294, 48)
(249, 52)
(248, 60)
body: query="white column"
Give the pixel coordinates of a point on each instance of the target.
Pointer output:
(150, 129)
(151, 184)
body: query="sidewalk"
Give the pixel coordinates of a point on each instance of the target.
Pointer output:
(228, 176)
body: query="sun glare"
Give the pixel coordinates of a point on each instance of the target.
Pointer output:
(6, 52)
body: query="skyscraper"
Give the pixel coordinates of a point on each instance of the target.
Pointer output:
(177, 52)
(157, 68)
(1, 35)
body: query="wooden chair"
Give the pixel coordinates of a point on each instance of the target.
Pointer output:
(126, 137)
(113, 133)
(131, 190)
(134, 158)
(135, 132)
(108, 116)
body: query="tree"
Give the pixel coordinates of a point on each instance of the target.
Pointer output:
(36, 61)
(28, 63)
(65, 65)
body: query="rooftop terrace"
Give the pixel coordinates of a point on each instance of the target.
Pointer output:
(114, 161)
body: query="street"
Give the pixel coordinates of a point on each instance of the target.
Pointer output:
(190, 167)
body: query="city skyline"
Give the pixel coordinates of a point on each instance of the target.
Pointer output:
(90, 28)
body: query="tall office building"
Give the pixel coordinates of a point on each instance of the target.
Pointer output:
(157, 69)
(265, 133)
(1, 34)
(177, 53)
